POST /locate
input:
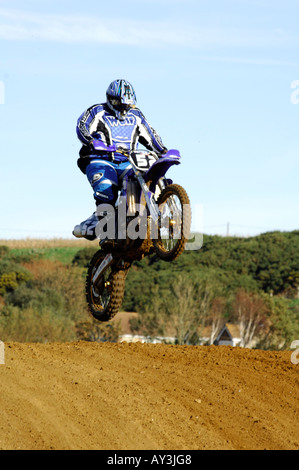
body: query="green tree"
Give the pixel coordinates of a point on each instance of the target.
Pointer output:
(283, 322)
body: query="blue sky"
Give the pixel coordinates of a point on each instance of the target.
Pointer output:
(213, 77)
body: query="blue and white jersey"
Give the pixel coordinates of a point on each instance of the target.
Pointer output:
(99, 122)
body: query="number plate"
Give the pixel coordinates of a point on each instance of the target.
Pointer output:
(143, 160)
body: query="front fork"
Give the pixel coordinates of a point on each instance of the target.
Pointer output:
(150, 199)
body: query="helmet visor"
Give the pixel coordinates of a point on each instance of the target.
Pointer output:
(119, 106)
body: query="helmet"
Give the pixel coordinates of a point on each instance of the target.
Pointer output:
(120, 97)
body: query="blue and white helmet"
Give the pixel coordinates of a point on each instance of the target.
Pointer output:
(120, 97)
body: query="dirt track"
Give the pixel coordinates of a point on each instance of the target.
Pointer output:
(139, 396)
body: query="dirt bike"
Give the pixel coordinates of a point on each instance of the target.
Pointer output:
(152, 215)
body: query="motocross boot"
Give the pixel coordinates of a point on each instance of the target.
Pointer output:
(87, 228)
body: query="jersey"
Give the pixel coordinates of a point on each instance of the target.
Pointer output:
(99, 122)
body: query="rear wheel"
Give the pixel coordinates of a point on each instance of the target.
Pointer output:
(174, 223)
(104, 298)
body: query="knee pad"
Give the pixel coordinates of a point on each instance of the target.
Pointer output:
(104, 181)
(105, 193)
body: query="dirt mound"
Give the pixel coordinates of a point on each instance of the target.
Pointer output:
(144, 396)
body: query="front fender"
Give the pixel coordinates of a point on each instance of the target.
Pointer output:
(160, 167)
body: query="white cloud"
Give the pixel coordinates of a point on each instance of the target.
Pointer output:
(251, 61)
(18, 25)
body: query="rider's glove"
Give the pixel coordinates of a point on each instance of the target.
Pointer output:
(163, 152)
(121, 149)
(91, 143)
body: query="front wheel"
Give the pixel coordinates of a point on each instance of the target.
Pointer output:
(174, 222)
(104, 298)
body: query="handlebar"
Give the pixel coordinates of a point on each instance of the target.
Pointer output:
(100, 146)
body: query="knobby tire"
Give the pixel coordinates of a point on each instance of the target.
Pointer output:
(115, 280)
(160, 247)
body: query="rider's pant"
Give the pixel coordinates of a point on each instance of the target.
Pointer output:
(105, 178)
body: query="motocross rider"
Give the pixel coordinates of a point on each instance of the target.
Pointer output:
(118, 122)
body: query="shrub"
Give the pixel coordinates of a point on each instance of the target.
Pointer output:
(3, 251)
(11, 275)
(83, 257)
(32, 325)
(8, 282)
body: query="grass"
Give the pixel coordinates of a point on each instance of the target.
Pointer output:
(28, 243)
(58, 249)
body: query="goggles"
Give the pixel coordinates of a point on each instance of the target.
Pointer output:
(119, 106)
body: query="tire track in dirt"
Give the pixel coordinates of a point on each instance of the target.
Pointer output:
(142, 396)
